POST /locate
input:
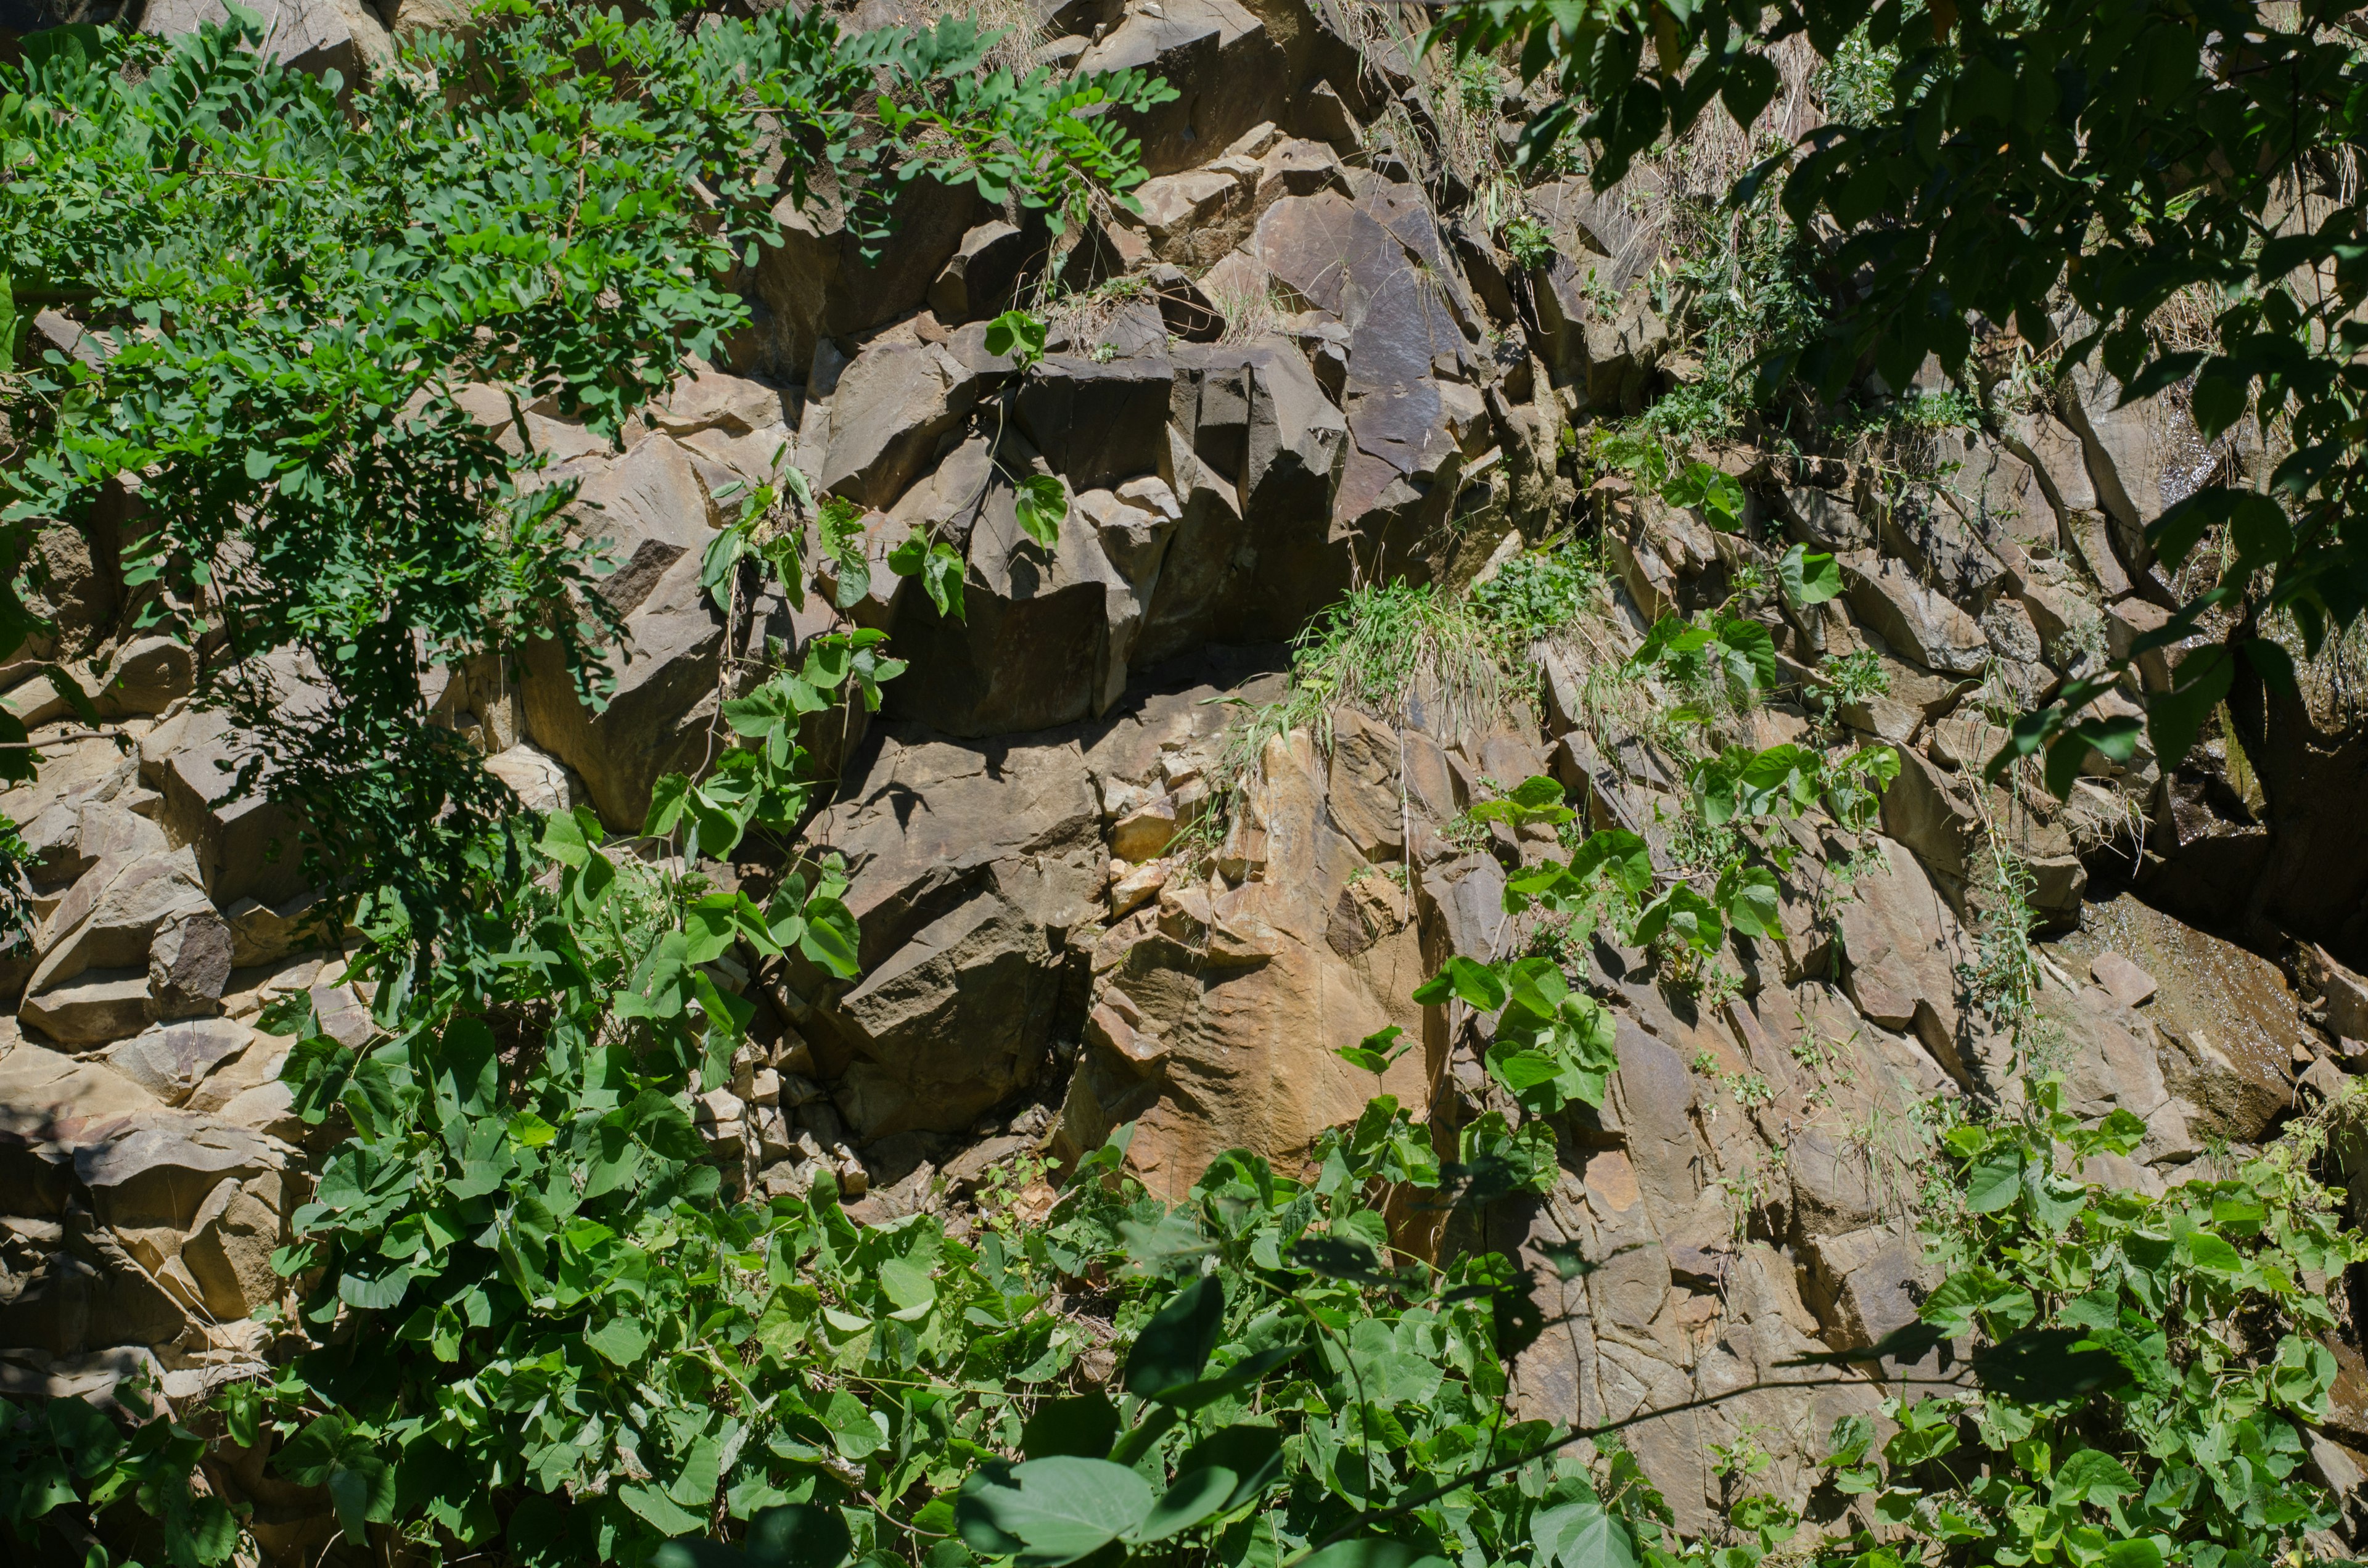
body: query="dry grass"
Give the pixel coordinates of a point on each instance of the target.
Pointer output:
(1014, 52)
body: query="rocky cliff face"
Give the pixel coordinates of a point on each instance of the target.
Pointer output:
(1086, 900)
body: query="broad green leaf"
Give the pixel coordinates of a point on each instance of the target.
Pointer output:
(622, 1340)
(1083, 1426)
(1176, 1344)
(1052, 1511)
(1196, 1494)
(1583, 1535)
(1041, 507)
(1994, 1181)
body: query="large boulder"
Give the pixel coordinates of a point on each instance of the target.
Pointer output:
(313, 36)
(1902, 944)
(888, 412)
(1601, 347)
(1256, 458)
(1047, 636)
(245, 845)
(654, 515)
(1218, 1007)
(1919, 623)
(817, 285)
(1226, 72)
(970, 866)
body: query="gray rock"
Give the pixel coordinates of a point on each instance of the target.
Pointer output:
(817, 284)
(1261, 449)
(156, 1169)
(1866, 1284)
(1921, 623)
(188, 962)
(980, 279)
(313, 36)
(168, 1060)
(970, 866)
(1227, 71)
(148, 675)
(890, 409)
(244, 846)
(1601, 355)
(1903, 944)
(1099, 423)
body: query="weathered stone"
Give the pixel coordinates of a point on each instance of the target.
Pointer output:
(1903, 946)
(95, 1006)
(1047, 636)
(1867, 1284)
(157, 1168)
(970, 866)
(244, 846)
(49, 1097)
(110, 918)
(1227, 73)
(1601, 353)
(1217, 1026)
(2123, 981)
(262, 933)
(2111, 1068)
(890, 409)
(1099, 423)
(709, 399)
(2227, 1018)
(313, 36)
(228, 1254)
(542, 782)
(188, 962)
(148, 675)
(1925, 811)
(656, 517)
(817, 284)
(1943, 551)
(404, 18)
(1919, 624)
(980, 279)
(170, 1060)
(1260, 453)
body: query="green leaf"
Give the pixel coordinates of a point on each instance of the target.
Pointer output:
(942, 578)
(1042, 505)
(1377, 1051)
(1017, 335)
(1994, 1181)
(1176, 1343)
(1052, 1511)
(1373, 1551)
(662, 1512)
(1808, 578)
(2174, 718)
(853, 1431)
(1477, 984)
(1083, 1426)
(1582, 1535)
(1196, 1494)
(797, 1535)
(831, 936)
(668, 798)
(621, 1340)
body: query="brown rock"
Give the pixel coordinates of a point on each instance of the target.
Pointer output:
(229, 1251)
(2124, 980)
(970, 866)
(1217, 1027)
(1919, 624)
(170, 1059)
